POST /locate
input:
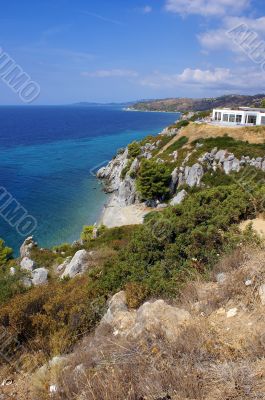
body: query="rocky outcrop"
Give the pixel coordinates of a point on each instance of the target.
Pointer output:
(228, 162)
(193, 175)
(77, 265)
(151, 318)
(27, 246)
(111, 174)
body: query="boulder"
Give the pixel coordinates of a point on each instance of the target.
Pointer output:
(159, 317)
(77, 265)
(151, 318)
(39, 276)
(27, 246)
(27, 264)
(193, 175)
(178, 199)
(262, 294)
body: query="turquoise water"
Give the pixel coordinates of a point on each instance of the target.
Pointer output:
(46, 155)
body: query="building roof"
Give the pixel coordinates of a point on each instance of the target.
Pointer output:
(261, 110)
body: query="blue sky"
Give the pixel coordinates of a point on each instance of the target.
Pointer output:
(121, 50)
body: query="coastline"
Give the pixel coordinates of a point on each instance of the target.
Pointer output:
(114, 215)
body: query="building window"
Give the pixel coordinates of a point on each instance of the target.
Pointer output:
(238, 119)
(262, 121)
(232, 118)
(218, 116)
(225, 117)
(252, 119)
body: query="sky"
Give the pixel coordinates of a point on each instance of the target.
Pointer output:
(125, 50)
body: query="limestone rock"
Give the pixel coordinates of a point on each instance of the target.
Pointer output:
(39, 276)
(62, 266)
(231, 313)
(151, 318)
(77, 265)
(27, 264)
(27, 246)
(157, 317)
(111, 174)
(193, 175)
(178, 199)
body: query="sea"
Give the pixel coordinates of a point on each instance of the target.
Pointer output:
(48, 159)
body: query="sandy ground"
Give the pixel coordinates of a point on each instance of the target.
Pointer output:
(118, 216)
(258, 225)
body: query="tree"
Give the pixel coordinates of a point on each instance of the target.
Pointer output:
(154, 179)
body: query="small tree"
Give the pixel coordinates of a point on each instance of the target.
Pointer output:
(154, 180)
(5, 252)
(134, 149)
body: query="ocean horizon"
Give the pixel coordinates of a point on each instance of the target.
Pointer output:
(48, 159)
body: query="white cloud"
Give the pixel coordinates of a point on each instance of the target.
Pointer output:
(206, 7)
(187, 77)
(219, 39)
(111, 73)
(217, 79)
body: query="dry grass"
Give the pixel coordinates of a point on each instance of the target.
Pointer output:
(197, 131)
(212, 358)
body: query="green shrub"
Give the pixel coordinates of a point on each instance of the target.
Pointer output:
(87, 233)
(134, 149)
(153, 180)
(5, 253)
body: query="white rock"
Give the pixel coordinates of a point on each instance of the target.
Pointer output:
(262, 294)
(12, 271)
(193, 175)
(221, 278)
(248, 282)
(62, 266)
(39, 276)
(178, 199)
(231, 313)
(53, 388)
(77, 265)
(27, 264)
(159, 317)
(27, 246)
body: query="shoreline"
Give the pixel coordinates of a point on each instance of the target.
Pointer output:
(114, 215)
(151, 111)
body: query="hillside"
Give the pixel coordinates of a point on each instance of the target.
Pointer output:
(189, 104)
(169, 309)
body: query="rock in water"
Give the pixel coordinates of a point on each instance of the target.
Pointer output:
(77, 265)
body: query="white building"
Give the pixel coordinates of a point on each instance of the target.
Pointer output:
(241, 116)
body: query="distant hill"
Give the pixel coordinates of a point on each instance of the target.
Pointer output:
(189, 104)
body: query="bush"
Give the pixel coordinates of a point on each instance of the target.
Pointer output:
(87, 233)
(153, 180)
(5, 253)
(134, 149)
